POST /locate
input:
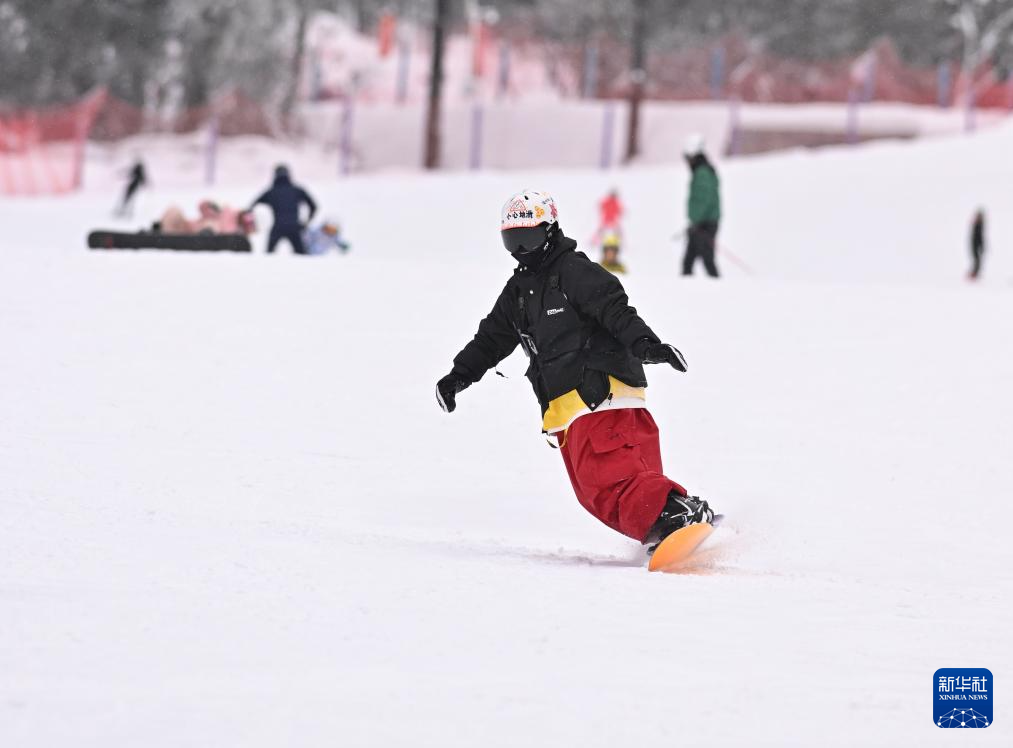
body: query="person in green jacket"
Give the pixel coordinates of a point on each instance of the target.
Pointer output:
(704, 209)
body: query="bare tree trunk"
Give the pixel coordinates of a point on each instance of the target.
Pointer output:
(362, 15)
(638, 78)
(298, 56)
(432, 155)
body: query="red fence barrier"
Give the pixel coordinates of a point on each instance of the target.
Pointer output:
(729, 68)
(234, 114)
(42, 150)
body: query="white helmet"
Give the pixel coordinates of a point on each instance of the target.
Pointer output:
(526, 209)
(694, 145)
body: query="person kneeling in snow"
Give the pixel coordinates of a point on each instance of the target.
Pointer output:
(586, 346)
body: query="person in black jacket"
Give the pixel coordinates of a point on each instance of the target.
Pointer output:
(586, 348)
(977, 244)
(137, 178)
(286, 199)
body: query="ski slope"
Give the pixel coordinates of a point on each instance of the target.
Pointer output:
(232, 514)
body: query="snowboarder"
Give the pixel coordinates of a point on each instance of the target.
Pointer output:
(704, 209)
(286, 199)
(586, 348)
(137, 178)
(977, 244)
(610, 254)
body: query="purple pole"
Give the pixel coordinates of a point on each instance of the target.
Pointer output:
(870, 81)
(945, 84)
(852, 127)
(211, 152)
(607, 128)
(590, 88)
(970, 112)
(504, 68)
(345, 142)
(717, 82)
(476, 136)
(404, 56)
(734, 128)
(316, 74)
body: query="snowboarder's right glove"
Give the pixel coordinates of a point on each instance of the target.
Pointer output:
(659, 353)
(447, 389)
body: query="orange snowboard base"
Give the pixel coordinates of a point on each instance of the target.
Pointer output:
(679, 546)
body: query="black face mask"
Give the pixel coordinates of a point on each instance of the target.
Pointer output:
(527, 242)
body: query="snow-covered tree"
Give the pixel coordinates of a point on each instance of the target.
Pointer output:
(986, 27)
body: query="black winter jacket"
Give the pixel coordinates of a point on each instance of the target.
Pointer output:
(285, 198)
(573, 320)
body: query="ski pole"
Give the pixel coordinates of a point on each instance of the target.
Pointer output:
(723, 249)
(735, 259)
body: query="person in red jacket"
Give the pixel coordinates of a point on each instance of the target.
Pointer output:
(610, 210)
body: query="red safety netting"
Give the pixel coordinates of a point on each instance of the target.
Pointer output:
(878, 74)
(232, 113)
(42, 150)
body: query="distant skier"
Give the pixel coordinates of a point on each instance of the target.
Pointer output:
(610, 213)
(610, 254)
(977, 243)
(586, 348)
(704, 209)
(286, 199)
(137, 178)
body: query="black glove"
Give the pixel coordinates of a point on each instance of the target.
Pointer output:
(447, 389)
(659, 353)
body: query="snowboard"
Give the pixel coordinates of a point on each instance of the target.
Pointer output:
(677, 548)
(185, 242)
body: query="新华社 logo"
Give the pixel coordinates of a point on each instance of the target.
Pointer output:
(962, 697)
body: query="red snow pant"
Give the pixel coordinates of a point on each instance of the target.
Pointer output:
(614, 461)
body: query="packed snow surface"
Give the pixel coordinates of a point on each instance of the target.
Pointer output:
(231, 512)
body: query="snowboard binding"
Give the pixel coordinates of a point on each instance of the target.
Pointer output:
(679, 512)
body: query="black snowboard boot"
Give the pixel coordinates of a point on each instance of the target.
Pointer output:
(679, 512)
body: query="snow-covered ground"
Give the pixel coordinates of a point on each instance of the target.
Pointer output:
(231, 512)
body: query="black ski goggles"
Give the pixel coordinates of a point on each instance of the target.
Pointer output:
(525, 239)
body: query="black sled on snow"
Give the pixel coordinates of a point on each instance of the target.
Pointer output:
(182, 242)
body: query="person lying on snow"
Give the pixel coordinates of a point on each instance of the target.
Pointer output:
(212, 218)
(586, 348)
(319, 240)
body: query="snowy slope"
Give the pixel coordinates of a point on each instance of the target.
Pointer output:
(232, 513)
